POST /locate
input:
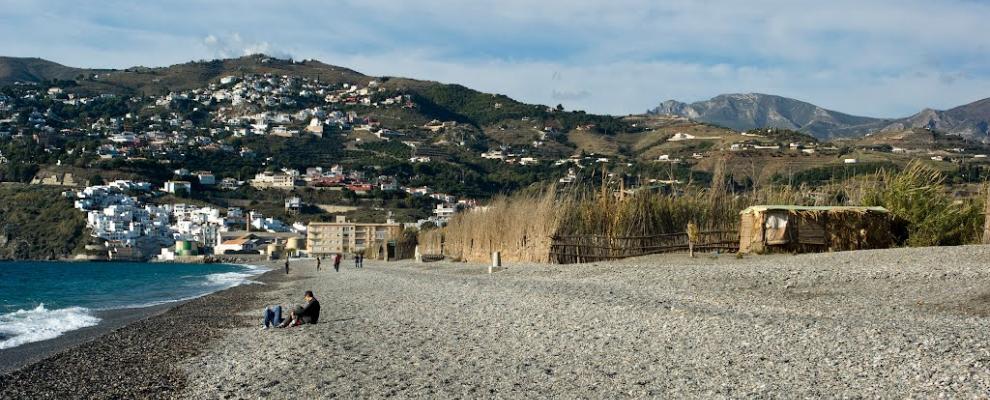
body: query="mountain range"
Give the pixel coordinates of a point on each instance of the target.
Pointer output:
(755, 110)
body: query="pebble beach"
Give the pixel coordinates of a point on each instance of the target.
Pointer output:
(881, 324)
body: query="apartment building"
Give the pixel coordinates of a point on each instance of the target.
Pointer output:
(348, 237)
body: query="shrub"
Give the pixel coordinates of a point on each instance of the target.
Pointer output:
(917, 196)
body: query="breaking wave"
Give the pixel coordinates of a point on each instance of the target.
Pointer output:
(40, 323)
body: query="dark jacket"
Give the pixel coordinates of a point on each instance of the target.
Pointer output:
(310, 313)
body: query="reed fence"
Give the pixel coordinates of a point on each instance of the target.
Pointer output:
(591, 248)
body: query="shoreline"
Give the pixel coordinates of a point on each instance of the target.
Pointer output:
(132, 352)
(21, 356)
(15, 358)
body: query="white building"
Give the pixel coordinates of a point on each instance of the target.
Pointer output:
(680, 136)
(178, 187)
(206, 178)
(445, 211)
(271, 180)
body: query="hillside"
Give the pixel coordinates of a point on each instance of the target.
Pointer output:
(919, 139)
(14, 69)
(971, 120)
(38, 223)
(451, 125)
(256, 112)
(437, 100)
(138, 80)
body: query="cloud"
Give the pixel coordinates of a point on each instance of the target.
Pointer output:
(879, 57)
(234, 45)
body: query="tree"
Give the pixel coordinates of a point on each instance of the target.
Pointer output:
(96, 180)
(182, 193)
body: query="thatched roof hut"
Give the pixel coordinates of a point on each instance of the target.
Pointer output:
(774, 228)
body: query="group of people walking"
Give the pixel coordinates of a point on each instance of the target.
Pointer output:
(358, 262)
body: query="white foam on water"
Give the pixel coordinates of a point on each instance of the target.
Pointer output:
(226, 280)
(40, 323)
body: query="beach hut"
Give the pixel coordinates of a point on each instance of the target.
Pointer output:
(803, 229)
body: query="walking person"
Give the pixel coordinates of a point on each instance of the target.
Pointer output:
(286, 265)
(318, 261)
(336, 262)
(360, 260)
(357, 260)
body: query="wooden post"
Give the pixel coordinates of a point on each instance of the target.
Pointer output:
(693, 234)
(496, 261)
(577, 250)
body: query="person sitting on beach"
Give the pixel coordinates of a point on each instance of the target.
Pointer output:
(305, 314)
(273, 316)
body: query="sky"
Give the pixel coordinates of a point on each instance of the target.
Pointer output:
(881, 58)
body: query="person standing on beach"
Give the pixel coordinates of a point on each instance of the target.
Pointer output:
(287, 265)
(336, 262)
(360, 260)
(357, 260)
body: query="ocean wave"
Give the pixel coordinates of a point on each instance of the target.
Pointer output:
(254, 269)
(226, 280)
(40, 323)
(152, 303)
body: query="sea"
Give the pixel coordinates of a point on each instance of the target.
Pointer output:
(42, 300)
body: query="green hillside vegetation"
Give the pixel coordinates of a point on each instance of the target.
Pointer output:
(833, 173)
(783, 136)
(39, 223)
(462, 104)
(13, 69)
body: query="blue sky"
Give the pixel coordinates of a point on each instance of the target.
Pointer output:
(879, 58)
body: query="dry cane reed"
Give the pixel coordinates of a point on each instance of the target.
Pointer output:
(522, 226)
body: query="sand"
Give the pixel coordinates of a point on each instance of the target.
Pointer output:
(880, 324)
(894, 323)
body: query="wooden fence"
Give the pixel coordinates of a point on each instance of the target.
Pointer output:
(986, 218)
(590, 248)
(431, 257)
